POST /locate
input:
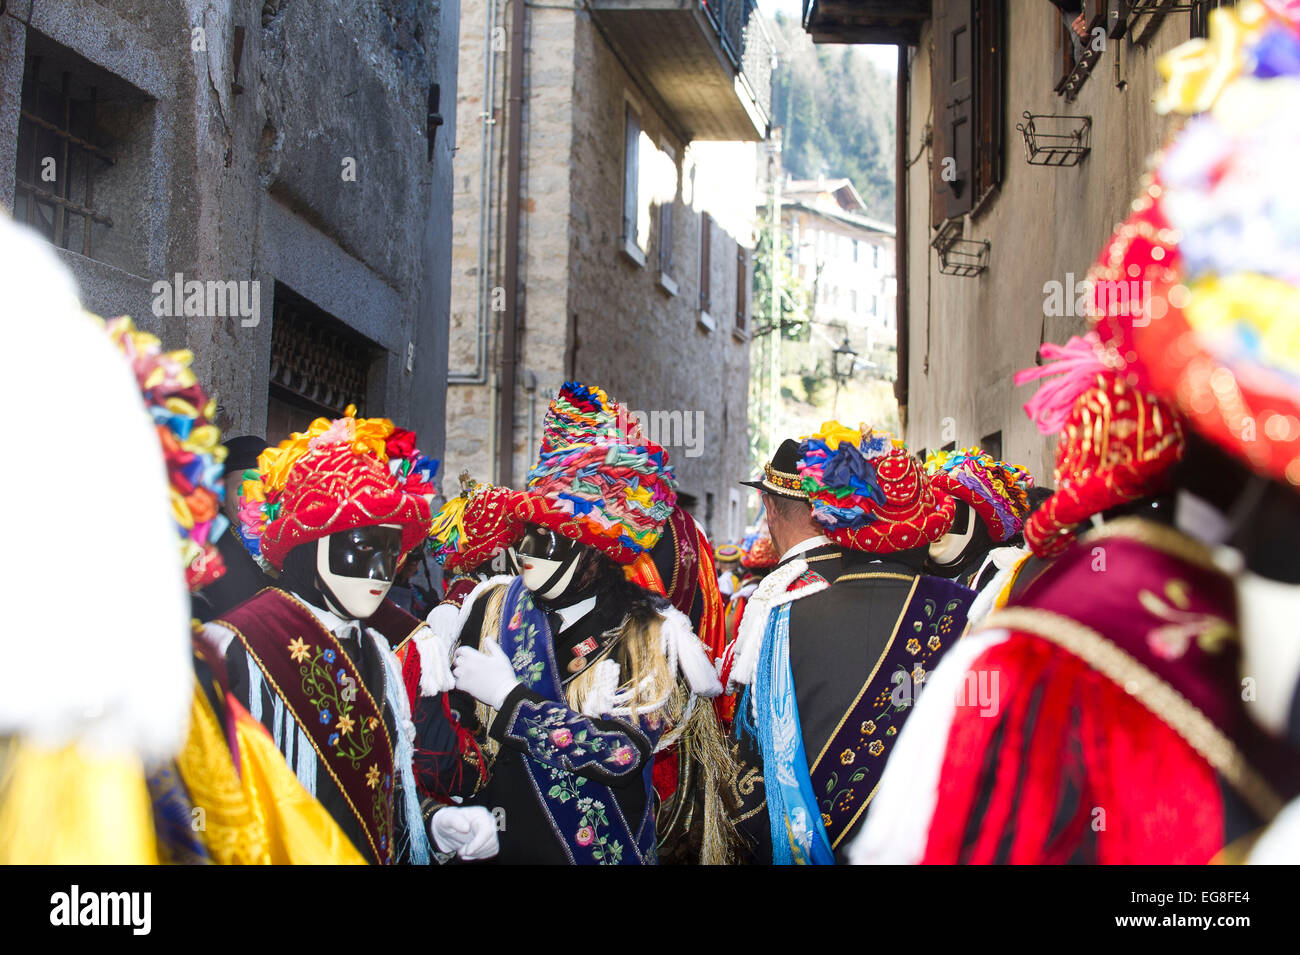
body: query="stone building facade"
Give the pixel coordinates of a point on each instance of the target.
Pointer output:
(277, 203)
(966, 335)
(634, 240)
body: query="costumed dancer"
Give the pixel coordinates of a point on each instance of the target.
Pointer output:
(244, 577)
(829, 655)
(579, 673)
(323, 661)
(228, 797)
(1214, 242)
(727, 559)
(1097, 717)
(992, 499)
(87, 705)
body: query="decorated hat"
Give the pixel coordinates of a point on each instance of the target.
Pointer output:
(475, 525)
(781, 474)
(1210, 256)
(1116, 444)
(998, 492)
(191, 445)
(869, 493)
(761, 554)
(337, 475)
(598, 479)
(726, 552)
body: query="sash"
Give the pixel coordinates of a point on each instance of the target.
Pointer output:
(321, 687)
(848, 768)
(798, 835)
(584, 814)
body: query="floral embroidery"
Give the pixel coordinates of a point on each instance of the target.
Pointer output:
(554, 743)
(1171, 641)
(372, 776)
(934, 643)
(298, 650)
(913, 646)
(876, 747)
(846, 757)
(622, 756)
(352, 742)
(868, 727)
(561, 737)
(585, 835)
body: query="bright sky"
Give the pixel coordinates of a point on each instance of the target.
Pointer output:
(884, 57)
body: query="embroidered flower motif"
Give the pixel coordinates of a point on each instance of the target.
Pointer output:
(298, 650)
(372, 776)
(345, 724)
(371, 722)
(585, 836)
(325, 717)
(876, 747)
(561, 737)
(622, 756)
(846, 757)
(826, 819)
(914, 646)
(933, 643)
(1172, 640)
(329, 656)
(517, 619)
(334, 739)
(341, 674)
(868, 727)
(893, 730)
(918, 674)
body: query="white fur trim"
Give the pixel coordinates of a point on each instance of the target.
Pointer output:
(1008, 561)
(897, 826)
(468, 603)
(217, 637)
(604, 687)
(433, 644)
(687, 653)
(772, 592)
(1280, 843)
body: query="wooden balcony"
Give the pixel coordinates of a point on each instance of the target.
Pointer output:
(865, 21)
(708, 62)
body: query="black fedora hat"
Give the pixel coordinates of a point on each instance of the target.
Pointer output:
(242, 453)
(781, 474)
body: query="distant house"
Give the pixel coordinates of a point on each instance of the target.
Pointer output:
(604, 231)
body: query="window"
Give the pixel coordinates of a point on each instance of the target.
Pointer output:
(742, 290)
(855, 251)
(967, 77)
(992, 443)
(666, 235)
(79, 127)
(636, 207)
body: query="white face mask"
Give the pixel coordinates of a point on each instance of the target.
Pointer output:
(351, 597)
(539, 571)
(948, 548)
(1270, 649)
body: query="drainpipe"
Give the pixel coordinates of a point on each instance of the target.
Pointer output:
(514, 139)
(479, 375)
(900, 238)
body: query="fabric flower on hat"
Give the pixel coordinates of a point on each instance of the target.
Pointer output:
(997, 491)
(598, 479)
(868, 492)
(334, 476)
(191, 444)
(1210, 257)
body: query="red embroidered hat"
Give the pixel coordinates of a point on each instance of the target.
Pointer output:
(341, 474)
(997, 491)
(1198, 292)
(475, 526)
(869, 493)
(1117, 442)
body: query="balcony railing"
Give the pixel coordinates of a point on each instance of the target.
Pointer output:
(747, 44)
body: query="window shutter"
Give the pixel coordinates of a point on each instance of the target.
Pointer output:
(953, 76)
(742, 287)
(990, 102)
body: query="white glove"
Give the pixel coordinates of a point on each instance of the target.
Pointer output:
(487, 677)
(468, 831)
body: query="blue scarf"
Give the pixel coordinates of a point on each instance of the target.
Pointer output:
(798, 836)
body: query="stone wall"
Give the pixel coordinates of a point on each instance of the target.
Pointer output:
(257, 185)
(970, 335)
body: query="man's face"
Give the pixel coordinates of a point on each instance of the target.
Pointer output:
(357, 568)
(547, 561)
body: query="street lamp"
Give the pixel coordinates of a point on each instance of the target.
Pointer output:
(842, 361)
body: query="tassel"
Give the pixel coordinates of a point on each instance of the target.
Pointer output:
(1077, 363)
(403, 750)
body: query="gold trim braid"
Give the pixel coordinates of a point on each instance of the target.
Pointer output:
(1165, 703)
